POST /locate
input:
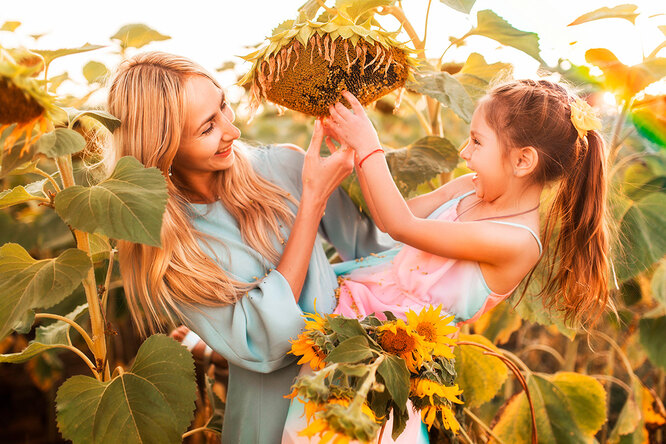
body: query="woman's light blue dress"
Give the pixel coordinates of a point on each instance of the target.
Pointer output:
(253, 334)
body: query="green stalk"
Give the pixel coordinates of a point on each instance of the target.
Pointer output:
(64, 164)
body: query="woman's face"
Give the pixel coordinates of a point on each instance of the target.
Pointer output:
(209, 133)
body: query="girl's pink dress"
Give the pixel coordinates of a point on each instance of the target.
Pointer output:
(406, 278)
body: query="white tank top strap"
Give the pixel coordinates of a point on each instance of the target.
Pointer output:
(536, 237)
(440, 209)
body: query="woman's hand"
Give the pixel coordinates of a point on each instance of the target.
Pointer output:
(353, 127)
(322, 175)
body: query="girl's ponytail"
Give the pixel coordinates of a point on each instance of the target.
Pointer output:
(563, 130)
(578, 261)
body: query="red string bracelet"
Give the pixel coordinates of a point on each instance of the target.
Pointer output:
(378, 150)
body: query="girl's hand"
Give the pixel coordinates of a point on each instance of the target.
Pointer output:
(352, 127)
(323, 175)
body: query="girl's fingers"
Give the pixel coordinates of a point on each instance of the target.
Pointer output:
(343, 111)
(353, 101)
(335, 115)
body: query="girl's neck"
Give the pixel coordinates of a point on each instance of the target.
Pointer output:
(517, 201)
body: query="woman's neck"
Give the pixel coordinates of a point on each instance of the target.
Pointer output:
(199, 188)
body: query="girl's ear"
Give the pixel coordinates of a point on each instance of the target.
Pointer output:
(524, 161)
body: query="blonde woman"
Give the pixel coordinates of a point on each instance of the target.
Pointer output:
(240, 259)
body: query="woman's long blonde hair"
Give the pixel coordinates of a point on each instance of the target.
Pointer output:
(147, 94)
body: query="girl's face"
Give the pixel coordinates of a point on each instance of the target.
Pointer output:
(208, 135)
(485, 157)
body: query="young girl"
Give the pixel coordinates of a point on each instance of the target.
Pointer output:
(468, 244)
(471, 242)
(240, 261)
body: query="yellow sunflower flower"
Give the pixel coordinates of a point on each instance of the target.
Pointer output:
(429, 413)
(425, 388)
(305, 346)
(23, 102)
(399, 339)
(434, 328)
(327, 432)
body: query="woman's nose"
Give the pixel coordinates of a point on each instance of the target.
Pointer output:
(230, 131)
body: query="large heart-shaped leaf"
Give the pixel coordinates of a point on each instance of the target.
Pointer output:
(137, 35)
(50, 55)
(128, 205)
(460, 5)
(67, 142)
(446, 89)
(658, 284)
(569, 408)
(152, 402)
(395, 376)
(499, 323)
(642, 235)
(475, 75)
(411, 166)
(26, 283)
(479, 376)
(18, 195)
(95, 72)
(352, 350)
(625, 81)
(652, 334)
(46, 338)
(627, 12)
(495, 27)
(103, 117)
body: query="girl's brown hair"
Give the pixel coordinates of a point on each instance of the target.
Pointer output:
(538, 114)
(147, 94)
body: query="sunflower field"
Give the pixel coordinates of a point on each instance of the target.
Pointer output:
(73, 368)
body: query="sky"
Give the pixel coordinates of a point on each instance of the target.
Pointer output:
(212, 32)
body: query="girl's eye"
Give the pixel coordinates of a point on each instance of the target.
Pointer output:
(209, 129)
(475, 141)
(223, 105)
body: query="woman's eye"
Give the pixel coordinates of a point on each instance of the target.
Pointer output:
(475, 141)
(209, 129)
(223, 105)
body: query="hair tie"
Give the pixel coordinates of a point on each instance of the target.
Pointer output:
(583, 117)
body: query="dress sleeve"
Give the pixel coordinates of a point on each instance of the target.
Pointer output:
(352, 234)
(254, 332)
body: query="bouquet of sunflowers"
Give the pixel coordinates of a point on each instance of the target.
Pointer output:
(366, 369)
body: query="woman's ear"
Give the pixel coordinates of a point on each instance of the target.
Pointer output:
(524, 160)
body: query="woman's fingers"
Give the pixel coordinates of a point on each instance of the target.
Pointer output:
(331, 146)
(317, 138)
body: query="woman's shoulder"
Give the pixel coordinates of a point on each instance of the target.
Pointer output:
(283, 155)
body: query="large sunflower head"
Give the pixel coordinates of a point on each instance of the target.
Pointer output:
(434, 328)
(398, 338)
(23, 102)
(306, 64)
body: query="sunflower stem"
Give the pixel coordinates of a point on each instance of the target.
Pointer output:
(399, 14)
(64, 164)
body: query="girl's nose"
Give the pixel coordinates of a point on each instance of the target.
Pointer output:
(465, 152)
